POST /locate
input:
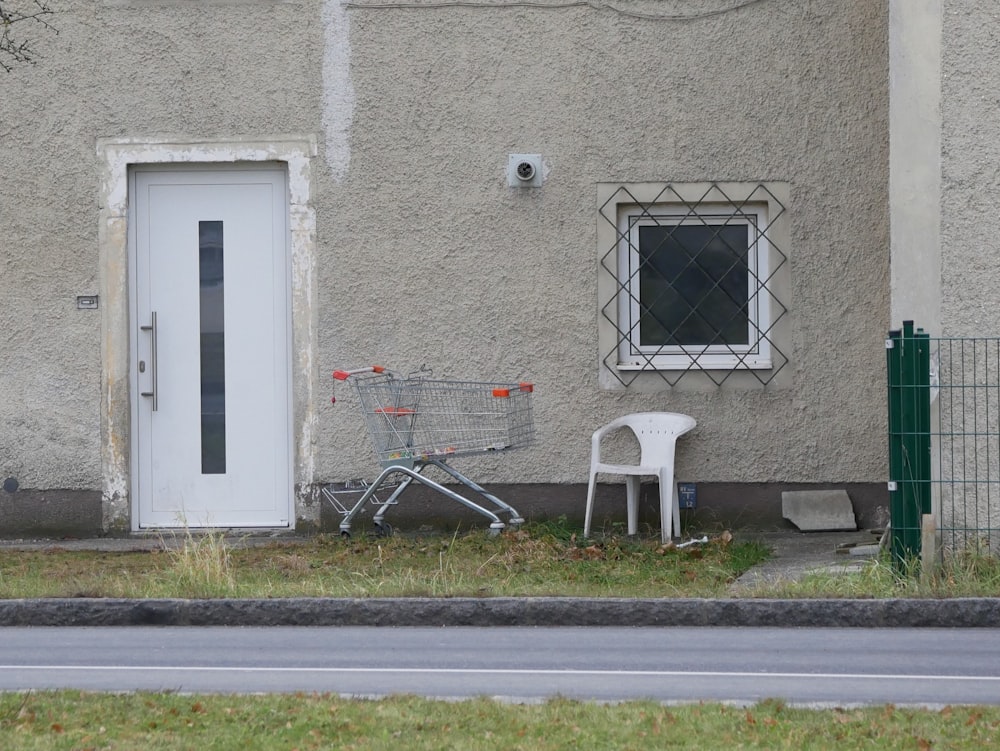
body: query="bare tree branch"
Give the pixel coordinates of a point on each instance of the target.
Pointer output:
(13, 47)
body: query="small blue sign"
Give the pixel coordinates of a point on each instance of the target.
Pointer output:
(687, 495)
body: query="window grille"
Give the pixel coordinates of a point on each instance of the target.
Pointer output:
(693, 281)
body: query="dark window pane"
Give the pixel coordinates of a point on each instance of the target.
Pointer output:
(693, 285)
(213, 349)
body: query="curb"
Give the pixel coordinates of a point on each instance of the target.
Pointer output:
(504, 611)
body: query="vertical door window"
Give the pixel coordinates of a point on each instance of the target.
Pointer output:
(212, 349)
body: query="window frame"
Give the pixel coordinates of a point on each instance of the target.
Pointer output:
(632, 354)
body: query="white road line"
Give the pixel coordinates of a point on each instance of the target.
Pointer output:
(502, 671)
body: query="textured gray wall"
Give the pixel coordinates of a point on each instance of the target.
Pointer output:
(970, 132)
(479, 280)
(425, 256)
(114, 70)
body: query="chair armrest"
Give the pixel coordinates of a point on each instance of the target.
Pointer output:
(595, 447)
(595, 440)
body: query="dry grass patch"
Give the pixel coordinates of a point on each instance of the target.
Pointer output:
(974, 572)
(540, 559)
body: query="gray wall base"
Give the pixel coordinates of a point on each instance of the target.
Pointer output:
(720, 506)
(50, 513)
(77, 513)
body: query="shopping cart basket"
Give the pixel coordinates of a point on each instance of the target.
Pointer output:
(417, 422)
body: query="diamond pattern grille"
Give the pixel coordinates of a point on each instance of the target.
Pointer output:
(694, 287)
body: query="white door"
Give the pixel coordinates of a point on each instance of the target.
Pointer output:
(210, 348)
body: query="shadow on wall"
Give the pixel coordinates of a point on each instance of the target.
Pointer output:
(720, 506)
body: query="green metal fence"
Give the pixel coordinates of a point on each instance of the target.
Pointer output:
(908, 368)
(944, 440)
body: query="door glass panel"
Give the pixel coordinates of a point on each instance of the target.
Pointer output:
(213, 349)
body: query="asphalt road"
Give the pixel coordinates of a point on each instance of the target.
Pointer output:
(801, 665)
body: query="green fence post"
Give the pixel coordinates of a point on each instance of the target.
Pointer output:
(908, 366)
(893, 356)
(911, 454)
(922, 433)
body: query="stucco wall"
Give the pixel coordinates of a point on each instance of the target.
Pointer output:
(970, 132)
(425, 255)
(476, 279)
(115, 69)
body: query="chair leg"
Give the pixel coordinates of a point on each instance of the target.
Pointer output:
(677, 507)
(632, 502)
(666, 506)
(591, 488)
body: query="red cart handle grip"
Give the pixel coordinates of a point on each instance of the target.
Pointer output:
(343, 375)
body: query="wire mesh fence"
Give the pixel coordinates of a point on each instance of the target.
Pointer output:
(965, 441)
(944, 440)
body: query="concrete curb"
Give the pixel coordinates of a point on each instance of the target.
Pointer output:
(504, 611)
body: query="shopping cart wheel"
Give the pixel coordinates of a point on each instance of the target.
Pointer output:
(384, 529)
(345, 535)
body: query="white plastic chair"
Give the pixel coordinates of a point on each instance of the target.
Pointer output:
(657, 433)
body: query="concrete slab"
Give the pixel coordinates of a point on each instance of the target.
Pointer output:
(819, 510)
(794, 555)
(865, 551)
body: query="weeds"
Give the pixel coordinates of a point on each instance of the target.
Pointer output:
(974, 563)
(545, 559)
(541, 559)
(972, 572)
(201, 566)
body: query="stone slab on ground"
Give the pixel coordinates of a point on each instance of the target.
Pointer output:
(865, 551)
(819, 510)
(795, 555)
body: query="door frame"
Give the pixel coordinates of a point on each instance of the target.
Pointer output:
(117, 157)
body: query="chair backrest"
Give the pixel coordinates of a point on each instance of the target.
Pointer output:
(657, 433)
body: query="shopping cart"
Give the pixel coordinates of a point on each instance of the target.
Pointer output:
(417, 422)
(343, 496)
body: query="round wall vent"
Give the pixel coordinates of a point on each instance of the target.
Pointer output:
(524, 170)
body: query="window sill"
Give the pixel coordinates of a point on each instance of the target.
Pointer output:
(702, 363)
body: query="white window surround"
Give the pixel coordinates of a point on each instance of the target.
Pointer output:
(755, 351)
(641, 346)
(116, 156)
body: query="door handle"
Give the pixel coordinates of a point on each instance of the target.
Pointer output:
(151, 328)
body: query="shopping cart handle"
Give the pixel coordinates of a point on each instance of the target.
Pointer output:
(343, 375)
(503, 393)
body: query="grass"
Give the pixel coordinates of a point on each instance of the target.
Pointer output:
(156, 722)
(972, 572)
(539, 559)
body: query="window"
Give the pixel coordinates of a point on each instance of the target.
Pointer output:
(694, 280)
(691, 283)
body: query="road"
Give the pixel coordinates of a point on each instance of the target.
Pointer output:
(808, 666)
